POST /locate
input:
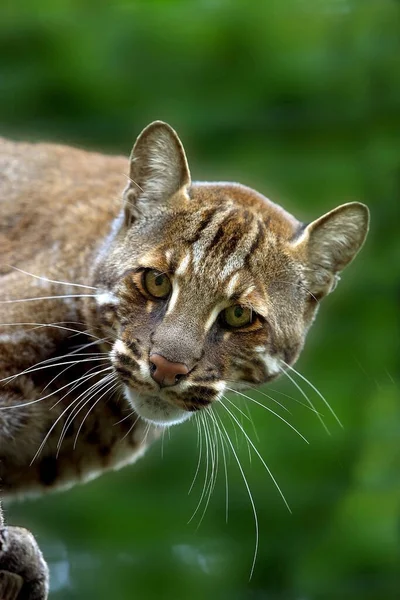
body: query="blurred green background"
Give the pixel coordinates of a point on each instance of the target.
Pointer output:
(301, 100)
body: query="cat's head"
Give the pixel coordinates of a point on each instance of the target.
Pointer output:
(206, 286)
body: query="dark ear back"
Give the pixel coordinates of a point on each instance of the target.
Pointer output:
(330, 243)
(158, 168)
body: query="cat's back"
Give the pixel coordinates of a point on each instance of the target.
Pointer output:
(40, 167)
(53, 196)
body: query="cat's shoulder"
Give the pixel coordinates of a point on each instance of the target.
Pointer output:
(54, 196)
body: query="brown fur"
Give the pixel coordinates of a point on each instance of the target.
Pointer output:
(220, 245)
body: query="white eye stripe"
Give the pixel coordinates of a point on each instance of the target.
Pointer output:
(230, 288)
(213, 316)
(248, 291)
(173, 299)
(182, 268)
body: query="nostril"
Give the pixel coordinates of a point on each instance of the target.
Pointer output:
(165, 372)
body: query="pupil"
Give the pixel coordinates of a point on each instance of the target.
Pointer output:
(158, 280)
(238, 312)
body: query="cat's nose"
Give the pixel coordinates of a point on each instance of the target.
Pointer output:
(165, 372)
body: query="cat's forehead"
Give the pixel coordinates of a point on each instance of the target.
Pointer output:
(221, 245)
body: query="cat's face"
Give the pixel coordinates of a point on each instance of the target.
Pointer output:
(200, 295)
(206, 287)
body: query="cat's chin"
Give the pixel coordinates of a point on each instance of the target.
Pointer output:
(155, 410)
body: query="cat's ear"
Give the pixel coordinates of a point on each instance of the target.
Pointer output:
(158, 169)
(330, 243)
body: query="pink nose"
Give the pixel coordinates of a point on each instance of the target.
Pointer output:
(164, 371)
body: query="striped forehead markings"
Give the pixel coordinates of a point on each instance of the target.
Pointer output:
(207, 237)
(211, 230)
(237, 259)
(259, 235)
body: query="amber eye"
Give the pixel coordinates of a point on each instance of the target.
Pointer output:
(237, 316)
(157, 284)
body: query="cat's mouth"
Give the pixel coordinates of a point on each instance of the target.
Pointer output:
(161, 404)
(155, 409)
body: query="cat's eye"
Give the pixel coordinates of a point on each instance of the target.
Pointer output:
(237, 316)
(157, 284)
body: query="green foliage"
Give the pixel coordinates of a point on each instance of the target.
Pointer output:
(299, 99)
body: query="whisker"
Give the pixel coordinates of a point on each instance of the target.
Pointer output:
(214, 472)
(83, 395)
(73, 362)
(146, 433)
(89, 334)
(134, 183)
(200, 446)
(316, 390)
(259, 456)
(308, 400)
(124, 418)
(273, 399)
(52, 393)
(95, 357)
(249, 494)
(162, 444)
(70, 406)
(292, 398)
(59, 375)
(245, 416)
(97, 341)
(91, 287)
(271, 411)
(130, 428)
(202, 422)
(251, 421)
(216, 452)
(259, 391)
(235, 405)
(79, 381)
(48, 298)
(109, 388)
(49, 432)
(73, 413)
(44, 325)
(55, 358)
(299, 285)
(222, 442)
